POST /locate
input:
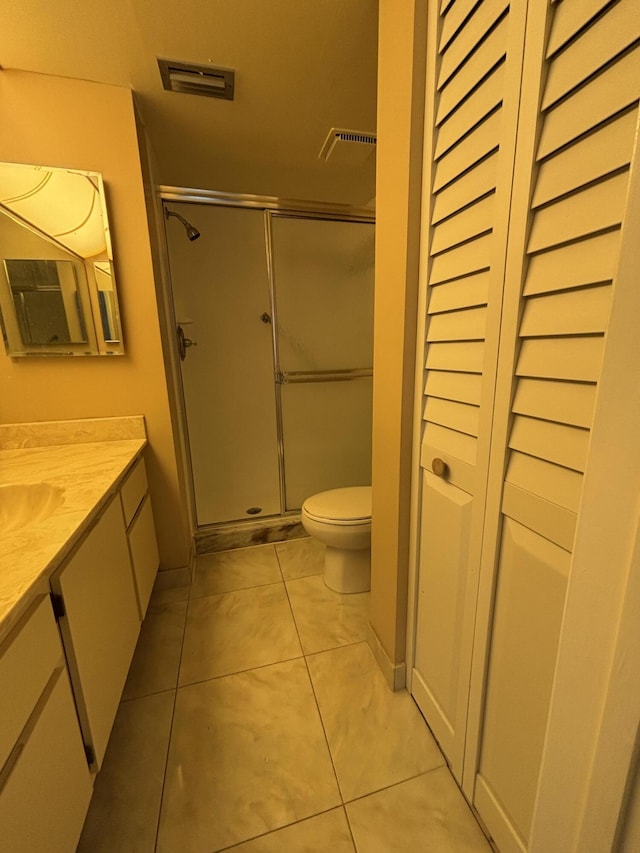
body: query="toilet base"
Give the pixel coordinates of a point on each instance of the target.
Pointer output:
(348, 571)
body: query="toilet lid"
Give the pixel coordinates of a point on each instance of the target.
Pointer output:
(350, 504)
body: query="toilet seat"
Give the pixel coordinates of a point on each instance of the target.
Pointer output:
(349, 506)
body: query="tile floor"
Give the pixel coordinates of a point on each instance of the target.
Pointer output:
(255, 719)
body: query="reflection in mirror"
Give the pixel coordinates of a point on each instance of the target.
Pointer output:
(107, 301)
(57, 288)
(45, 298)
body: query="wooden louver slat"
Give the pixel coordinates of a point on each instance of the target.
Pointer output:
(596, 208)
(568, 19)
(465, 292)
(480, 142)
(468, 188)
(563, 402)
(607, 37)
(461, 387)
(471, 222)
(561, 358)
(453, 415)
(453, 20)
(469, 258)
(604, 151)
(612, 91)
(465, 356)
(485, 16)
(484, 100)
(584, 262)
(479, 64)
(574, 312)
(463, 325)
(552, 442)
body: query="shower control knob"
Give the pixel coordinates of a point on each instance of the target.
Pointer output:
(184, 343)
(439, 467)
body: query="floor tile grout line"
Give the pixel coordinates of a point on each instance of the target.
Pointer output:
(278, 828)
(235, 589)
(324, 731)
(264, 665)
(377, 790)
(169, 739)
(348, 819)
(315, 698)
(239, 671)
(147, 695)
(395, 784)
(279, 563)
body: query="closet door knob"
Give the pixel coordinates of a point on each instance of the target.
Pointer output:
(439, 467)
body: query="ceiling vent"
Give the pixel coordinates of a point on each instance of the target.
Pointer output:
(348, 147)
(191, 79)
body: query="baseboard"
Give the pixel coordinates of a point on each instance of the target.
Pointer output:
(395, 674)
(183, 576)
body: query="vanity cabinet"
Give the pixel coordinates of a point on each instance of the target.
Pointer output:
(99, 622)
(63, 667)
(45, 783)
(141, 533)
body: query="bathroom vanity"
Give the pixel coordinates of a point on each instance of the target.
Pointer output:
(78, 559)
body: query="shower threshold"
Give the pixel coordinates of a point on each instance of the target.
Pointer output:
(242, 534)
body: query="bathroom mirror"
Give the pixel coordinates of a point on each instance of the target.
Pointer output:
(57, 286)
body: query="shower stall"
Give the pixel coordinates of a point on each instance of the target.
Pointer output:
(273, 308)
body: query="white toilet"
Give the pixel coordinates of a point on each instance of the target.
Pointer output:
(341, 519)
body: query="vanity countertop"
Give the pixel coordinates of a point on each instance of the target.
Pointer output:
(89, 473)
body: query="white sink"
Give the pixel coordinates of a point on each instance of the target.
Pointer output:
(23, 504)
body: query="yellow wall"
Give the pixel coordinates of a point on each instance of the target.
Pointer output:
(401, 50)
(55, 121)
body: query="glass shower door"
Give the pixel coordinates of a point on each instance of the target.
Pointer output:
(221, 296)
(323, 275)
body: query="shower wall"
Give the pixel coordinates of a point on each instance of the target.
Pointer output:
(277, 386)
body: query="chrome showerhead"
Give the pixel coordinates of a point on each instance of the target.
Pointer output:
(192, 233)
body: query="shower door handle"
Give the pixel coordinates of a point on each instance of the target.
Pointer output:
(184, 343)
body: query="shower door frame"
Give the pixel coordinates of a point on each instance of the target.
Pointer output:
(270, 205)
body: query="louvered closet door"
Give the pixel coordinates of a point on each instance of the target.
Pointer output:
(475, 57)
(570, 188)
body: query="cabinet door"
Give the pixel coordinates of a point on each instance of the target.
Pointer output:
(474, 56)
(101, 624)
(144, 553)
(577, 129)
(45, 792)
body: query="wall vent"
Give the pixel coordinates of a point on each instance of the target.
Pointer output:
(348, 147)
(192, 79)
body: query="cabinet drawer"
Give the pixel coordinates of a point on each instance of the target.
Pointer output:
(144, 553)
(28, 656)
(133, 490)
(46, 788)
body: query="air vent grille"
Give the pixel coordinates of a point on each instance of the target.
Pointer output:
(192, 79)
(349, 136)
(350, 147)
